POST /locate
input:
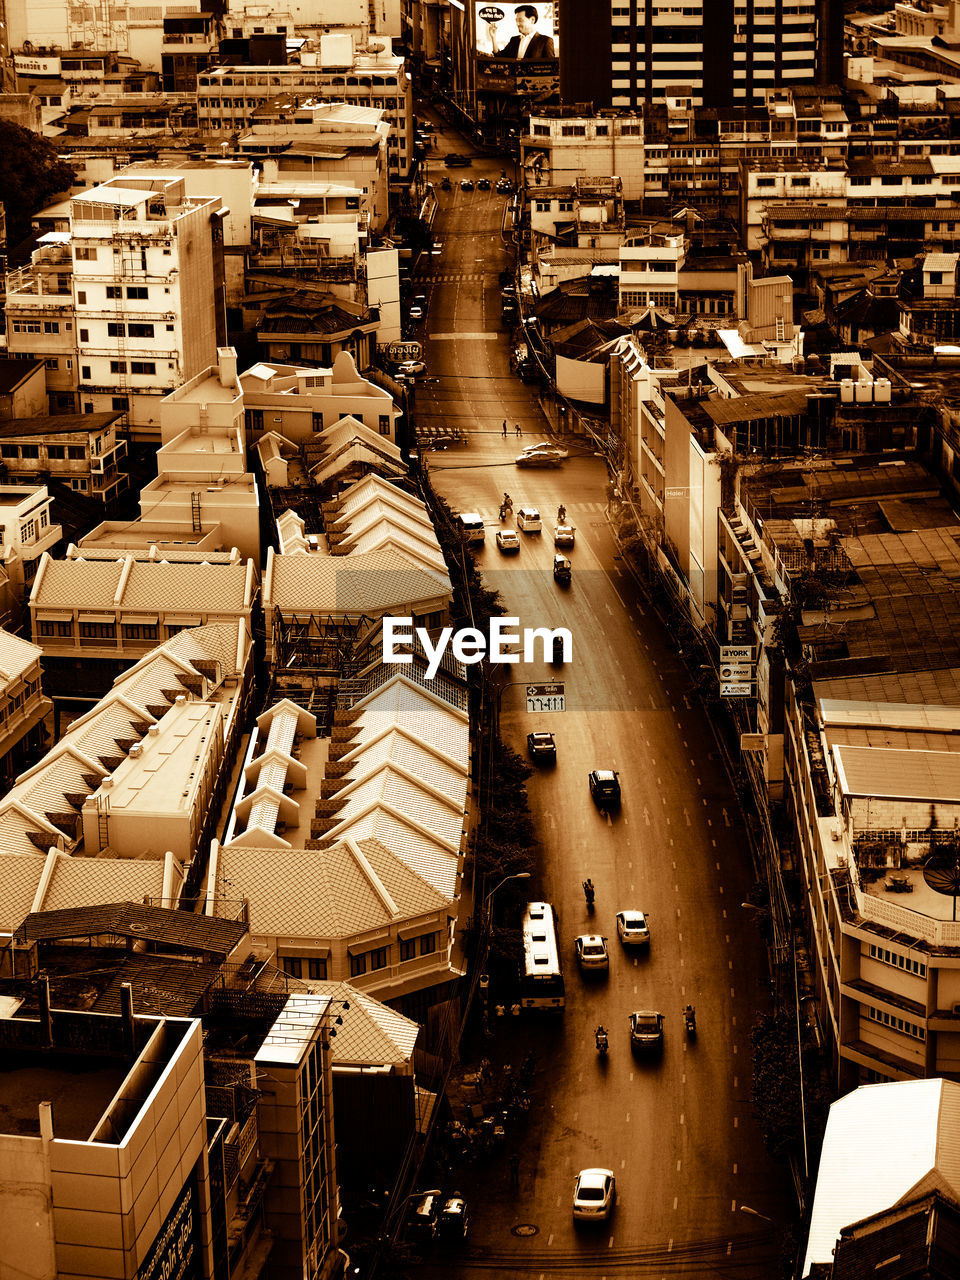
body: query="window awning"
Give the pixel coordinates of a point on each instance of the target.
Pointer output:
(98, 617)
(416, 931)
(139, 619)
(185, 620)
(48, 616)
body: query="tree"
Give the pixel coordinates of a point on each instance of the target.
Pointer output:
(31, 173)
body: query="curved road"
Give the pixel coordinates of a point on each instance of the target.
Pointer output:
(678, 1129)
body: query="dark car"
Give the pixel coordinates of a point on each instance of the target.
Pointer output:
(454, 1221)
(466, 185)
(504, 186)
(423, 1215)
(454, 161)
(646, 1029)
(483, 184)
(542, 746)
(605, 786)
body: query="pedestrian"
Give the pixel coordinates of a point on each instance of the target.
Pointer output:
(518, 431)
(514, 1172)
(504, 428)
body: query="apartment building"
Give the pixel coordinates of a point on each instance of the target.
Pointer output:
(230, 97)
(561, 146)
(27, 530)
(79, 450)
(148, 290)
(623, 55)
(23, 706)
(40, 318)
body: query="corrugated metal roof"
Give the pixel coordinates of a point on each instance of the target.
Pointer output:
(749, 408)
(932, 776)
(881, 1140)
(161, 925)
(890, 715)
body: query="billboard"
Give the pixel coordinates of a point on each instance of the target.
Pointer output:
(516, 47)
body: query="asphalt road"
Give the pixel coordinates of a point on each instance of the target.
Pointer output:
(677, 1129)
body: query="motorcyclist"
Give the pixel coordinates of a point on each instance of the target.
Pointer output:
(588, 892)
(600, 1035)
(507, 500)
(690, 1015)
(561, 514)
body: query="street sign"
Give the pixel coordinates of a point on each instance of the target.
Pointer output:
(736, 671)
(545, 697)
(735, 690)
(736, 653)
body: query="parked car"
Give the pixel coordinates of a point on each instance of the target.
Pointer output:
(605, 786)
(592, 951)
(594, 1195)
(454, 161)
(422, 1215)
(483, 184)
(466, 184)
(453, 1223)
(646, 1029)
(508, 541)
(541, 746)
(632, 928)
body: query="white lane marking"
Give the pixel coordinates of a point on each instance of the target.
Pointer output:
(676, 1201)
(735, 1169)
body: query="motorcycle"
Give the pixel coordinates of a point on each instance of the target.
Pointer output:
(505, 512)
(589, 893)
(446, 184)
(600, 1036)
(690, 1020)
(561, 515)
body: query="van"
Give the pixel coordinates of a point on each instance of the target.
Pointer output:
(471, 526)
(528, 519)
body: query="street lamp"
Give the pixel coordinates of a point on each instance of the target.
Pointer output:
(755, 1213)
(487, 909)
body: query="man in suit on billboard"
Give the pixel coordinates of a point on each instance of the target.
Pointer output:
(529, 43)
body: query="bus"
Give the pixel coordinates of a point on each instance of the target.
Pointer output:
(541, 975)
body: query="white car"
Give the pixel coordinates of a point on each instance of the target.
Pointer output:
(528, 519)
(508, 541)
(592, 951)
(594, 1195)
(410, 368)
(548, 445)
(632, 928)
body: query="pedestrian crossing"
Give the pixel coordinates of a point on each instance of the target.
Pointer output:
(452, 277)
(575, 510)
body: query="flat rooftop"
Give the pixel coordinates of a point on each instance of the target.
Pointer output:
(80, 1087)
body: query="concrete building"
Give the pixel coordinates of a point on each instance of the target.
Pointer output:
(27, 531)
(561, 146)
(23, 706)
(617, 56)
(148, 294)
(79, 450)
(40, 318)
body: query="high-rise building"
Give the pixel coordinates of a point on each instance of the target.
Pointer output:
(726, 52)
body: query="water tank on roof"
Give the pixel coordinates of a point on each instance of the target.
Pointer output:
(864, 392)
(882, 391)
(846, 391)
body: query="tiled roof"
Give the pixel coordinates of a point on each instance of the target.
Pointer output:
(19, 877)
(16, 655)
(88, 882)
(427, 855)
(93, 584)
(126, 919)
(370, 582)
(347, 429)
(371, 1034)
(325, 893)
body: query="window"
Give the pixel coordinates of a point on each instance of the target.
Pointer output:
(120, 404)
(114, 293)
(254, 419)
(143, 366)
(408, 948)
(118, 366)
(50, 629)
(293, 966)
(317, 969)
(76, 452)
(82, 297)
(85, 337)
(51, 326)
(428, 944)
(28, 530)
(936, 277)
(138, 291)
(358, 965)
(115, 329)
(139, 631)
(51, 363)
(98, 630)
(318, 422)
(135, 330)
(84, 255)
(56, 452)
(379, 957)
(30, 451)
(384, 424)
(9, 451)
(898, 960)
(896, 1023)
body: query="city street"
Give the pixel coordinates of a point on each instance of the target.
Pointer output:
(677, 1130)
